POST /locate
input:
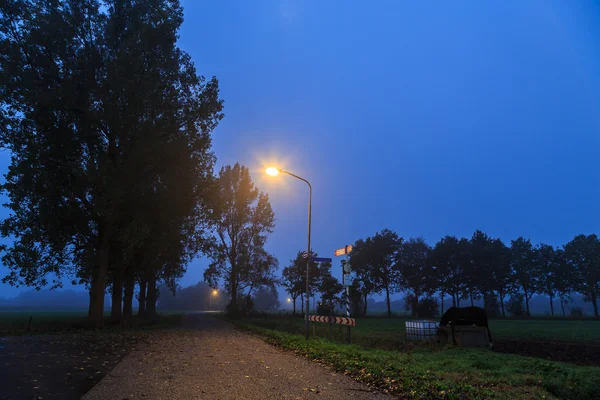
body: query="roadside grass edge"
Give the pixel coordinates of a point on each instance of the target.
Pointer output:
(456, 374)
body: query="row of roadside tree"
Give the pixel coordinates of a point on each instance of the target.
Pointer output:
(111, 181)
(480, 268)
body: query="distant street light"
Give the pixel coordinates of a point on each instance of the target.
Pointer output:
(274, 172)
(214, 293)
(289, 300)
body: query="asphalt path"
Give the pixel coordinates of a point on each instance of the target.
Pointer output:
(208, 359)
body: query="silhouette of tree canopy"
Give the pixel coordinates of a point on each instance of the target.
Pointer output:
(243, 218)
(108, 124)
(373, 261)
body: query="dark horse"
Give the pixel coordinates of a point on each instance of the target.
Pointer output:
(456, 316)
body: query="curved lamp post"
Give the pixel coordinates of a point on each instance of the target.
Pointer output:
(274, 172)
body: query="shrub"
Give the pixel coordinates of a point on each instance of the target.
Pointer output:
(515, 305)
(243, 309)
(427, 307)
(492, 306)
(576, 312)
(323, 309)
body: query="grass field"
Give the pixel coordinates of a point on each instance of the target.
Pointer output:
(387, 333)
(17, 322)
(380, 356)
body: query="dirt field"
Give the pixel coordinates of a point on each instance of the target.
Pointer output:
(575, 353)
(61, 366)
(54, 357)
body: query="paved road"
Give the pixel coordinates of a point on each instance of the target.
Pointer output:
(208, 359)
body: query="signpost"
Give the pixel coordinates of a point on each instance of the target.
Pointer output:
(340, 252)
(346, 270)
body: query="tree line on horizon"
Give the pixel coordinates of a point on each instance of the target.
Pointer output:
(480, 268)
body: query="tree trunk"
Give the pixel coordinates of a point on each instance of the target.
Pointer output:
(551, 305)
(562, 305)
(98, 284)
(471, 296)
(502, 303)
(457, 300)
(595, 304)
(302, 304)
(527, 304)
(442, 303)
(454, 296)
(294, 312)
(485, 301)
(117, 297)
(365, 306)
(387, 300)
(142, 298)
(151, 298)
(129, 285)
(415, 305)
(233, 306)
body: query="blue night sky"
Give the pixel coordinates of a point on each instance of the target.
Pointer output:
(425, 120)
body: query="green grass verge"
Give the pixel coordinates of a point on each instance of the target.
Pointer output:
(433, 372)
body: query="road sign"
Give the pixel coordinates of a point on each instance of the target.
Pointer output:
(321, 259)
(340, 252)
(333, 320)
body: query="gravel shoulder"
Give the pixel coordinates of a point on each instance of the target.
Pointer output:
(208, 359)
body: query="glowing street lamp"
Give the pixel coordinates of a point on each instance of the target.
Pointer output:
(274, 172)
(214, 293)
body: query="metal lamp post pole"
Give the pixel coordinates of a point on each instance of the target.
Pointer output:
(308, 247)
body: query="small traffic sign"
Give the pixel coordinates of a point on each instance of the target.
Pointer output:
(321, 259)
(340, 252)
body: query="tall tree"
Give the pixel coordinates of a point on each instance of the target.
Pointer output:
(413, 264)
(482, 265)
(499, 273)
(243, 219)
(88, 90)
(524, 270)
(373, 262)
(583, 258)
(446, 257)
(330, 288)
(548, 265)
(293, 276)
(564, 281)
